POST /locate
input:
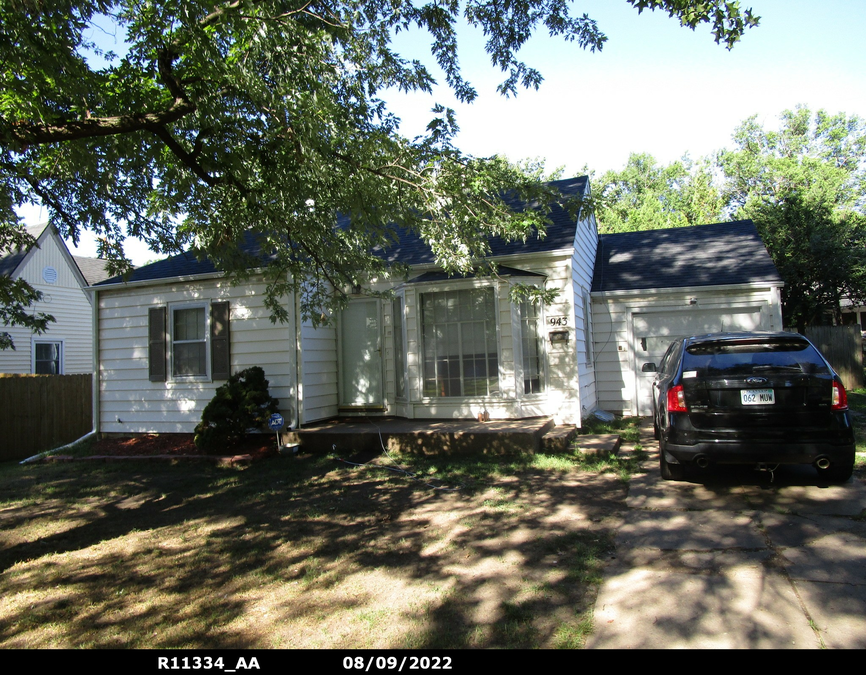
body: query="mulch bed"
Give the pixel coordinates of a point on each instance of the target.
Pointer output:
(257, 446)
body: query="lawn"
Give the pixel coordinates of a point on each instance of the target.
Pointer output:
(303, 552)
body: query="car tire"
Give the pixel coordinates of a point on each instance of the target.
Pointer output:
(837, 473)
(670, 471)
(657, 434)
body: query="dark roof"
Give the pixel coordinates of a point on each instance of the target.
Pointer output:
(409, 249)
(187, 264)
(93, 270)
(9, 260)
(704, 255)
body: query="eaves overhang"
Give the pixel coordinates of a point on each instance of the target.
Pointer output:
(679, 290)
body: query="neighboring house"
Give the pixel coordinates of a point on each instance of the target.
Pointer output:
(651, 287)
(853, 314)
(67, 346)
(444, 347)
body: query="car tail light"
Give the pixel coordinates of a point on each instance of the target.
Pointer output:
(677, 399)
(840, 398)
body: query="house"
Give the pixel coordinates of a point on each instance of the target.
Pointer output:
(67, 346)
(443, 347)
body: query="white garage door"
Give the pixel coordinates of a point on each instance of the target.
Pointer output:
(654, 331)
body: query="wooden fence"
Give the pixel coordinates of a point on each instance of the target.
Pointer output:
(842, 346)
(40, 412)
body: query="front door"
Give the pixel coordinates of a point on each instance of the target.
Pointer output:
(361, 355)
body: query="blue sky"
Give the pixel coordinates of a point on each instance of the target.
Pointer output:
(655, 87)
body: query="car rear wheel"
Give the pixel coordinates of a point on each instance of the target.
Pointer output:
(669, 471)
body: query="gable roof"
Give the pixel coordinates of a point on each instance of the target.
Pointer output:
(679, 257)
(409, 247)
(93, 270)
(11, 259)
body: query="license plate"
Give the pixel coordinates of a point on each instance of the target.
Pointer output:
(757, 396)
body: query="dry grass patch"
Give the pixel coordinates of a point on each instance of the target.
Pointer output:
(302, 553)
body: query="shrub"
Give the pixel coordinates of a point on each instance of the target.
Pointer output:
(242, 403)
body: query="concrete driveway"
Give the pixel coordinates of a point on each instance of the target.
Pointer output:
(746, 560)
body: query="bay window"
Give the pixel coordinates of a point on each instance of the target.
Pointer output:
(460, 343)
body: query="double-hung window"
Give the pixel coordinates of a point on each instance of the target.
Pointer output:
(189, 341)
(47, 357)
(461, 357)
(532, 343)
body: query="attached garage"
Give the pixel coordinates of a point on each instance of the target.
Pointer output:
(652, 287)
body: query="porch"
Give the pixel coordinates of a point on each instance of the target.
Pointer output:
(496, 437)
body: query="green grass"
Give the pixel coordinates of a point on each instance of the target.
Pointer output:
(627, 427)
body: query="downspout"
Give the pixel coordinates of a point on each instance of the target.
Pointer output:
(95, 342)
(299, 371)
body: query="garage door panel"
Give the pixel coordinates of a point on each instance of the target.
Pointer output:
(653, 333)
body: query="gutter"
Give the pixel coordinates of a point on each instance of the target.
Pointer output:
(686, 289)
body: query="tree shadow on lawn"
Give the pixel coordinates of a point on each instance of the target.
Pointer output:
(294, 553)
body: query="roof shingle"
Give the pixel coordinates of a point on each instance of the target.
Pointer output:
(704, 255)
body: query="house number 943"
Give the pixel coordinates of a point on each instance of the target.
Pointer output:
(558, 321)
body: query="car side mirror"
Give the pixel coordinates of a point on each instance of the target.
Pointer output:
(649, 368)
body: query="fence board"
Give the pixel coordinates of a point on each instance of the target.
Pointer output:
(40, 412)
(843, 348)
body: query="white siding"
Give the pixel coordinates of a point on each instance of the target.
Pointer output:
(131, 403)
(319, 391)
(65, 301)
(582, 264)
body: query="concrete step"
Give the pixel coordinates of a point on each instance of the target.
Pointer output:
(496, 437)
(558, 439)
(599, 444)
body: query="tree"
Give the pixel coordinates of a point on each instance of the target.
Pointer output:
(820, 255)
(805, 187)
(646, 196)
(266, 116)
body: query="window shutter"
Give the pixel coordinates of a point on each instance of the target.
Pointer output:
(156, 352)
(220, 345)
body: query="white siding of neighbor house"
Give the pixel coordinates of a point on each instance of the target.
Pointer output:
(714, 308)
(131, 403)
(65, 301)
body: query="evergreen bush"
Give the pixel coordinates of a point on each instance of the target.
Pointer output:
(242, 403)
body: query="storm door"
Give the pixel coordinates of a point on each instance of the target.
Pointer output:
(361, 356)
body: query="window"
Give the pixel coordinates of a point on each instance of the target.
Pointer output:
(189, 342)
(533, 348)
(47, 357)
(460, 346)
(193, 339)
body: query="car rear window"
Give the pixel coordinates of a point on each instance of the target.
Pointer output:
(746, 357)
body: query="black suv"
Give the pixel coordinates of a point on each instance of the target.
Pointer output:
(750, 398)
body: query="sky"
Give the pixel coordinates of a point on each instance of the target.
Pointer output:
(655, 87)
